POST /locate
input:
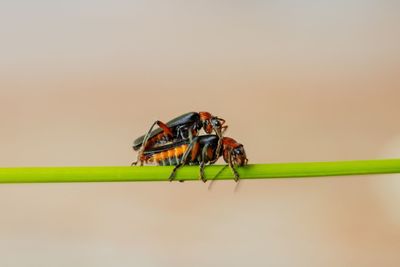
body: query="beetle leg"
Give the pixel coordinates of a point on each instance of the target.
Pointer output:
(190, 131)
(235, 173)
(163, 126)
(203, 160)
(146, 137)
(179, 132)
(218, 149)
(166, 130)
(186, 131)
(183, 161)
(190, 134)
(217, 152)
(173, 173)
(219, 133)
(202, 166)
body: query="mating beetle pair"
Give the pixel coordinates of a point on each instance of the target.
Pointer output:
(178, 143)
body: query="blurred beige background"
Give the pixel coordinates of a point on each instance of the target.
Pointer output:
(295, 80)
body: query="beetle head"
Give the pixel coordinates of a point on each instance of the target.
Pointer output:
(211, 123)
(234, 152)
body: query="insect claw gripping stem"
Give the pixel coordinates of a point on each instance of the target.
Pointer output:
(171, 177)
(232, 167)
(236, 175)
(173, 173)
(202, 177)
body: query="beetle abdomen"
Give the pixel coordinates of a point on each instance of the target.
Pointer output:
(169, 157)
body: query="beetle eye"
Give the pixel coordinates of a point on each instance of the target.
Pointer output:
(238, 150)
(215, 122)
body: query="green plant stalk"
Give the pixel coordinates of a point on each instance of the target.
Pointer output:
(217, 172)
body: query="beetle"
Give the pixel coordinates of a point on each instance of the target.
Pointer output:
(182, 127)
(200, 151)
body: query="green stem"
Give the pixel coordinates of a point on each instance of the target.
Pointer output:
(219, 172)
